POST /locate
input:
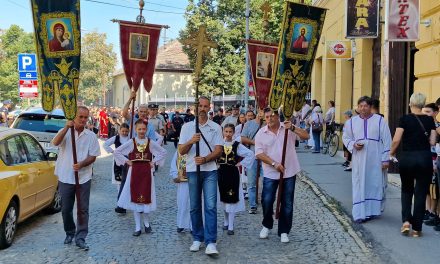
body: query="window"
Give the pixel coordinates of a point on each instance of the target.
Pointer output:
(40, 123)
(34, 149)
(13, 152)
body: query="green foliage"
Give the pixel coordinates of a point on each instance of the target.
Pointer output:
(13, 41)
(226, 25)
(98, 62)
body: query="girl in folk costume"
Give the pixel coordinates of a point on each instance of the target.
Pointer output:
(103, 123)
(119, 173)
(139, 193)
(178, 173)
(231, 193)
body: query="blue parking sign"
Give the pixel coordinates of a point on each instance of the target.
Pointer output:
(27, 62)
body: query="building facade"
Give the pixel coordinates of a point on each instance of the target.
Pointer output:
(388, 71)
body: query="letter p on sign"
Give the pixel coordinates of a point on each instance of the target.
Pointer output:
(27, 62)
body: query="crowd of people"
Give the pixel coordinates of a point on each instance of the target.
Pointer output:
(235, 150)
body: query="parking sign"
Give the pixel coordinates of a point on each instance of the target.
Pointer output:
(27, 62)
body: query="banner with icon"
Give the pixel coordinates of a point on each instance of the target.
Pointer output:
(58, 42)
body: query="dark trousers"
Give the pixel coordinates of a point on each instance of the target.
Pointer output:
(176, 138)
(415, 173)
(67, 192)
(286, 208)
(123, 178)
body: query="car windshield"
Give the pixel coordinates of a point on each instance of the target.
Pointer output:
(41, 123)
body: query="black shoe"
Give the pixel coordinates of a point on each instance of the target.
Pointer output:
(253, 210)
(69, 239)
(345, 164)
(120, 210)
(437, 227)
(348, 169)
(432, 221)
(225, 227)
(148, 229)
(230, 232)
(81, 244)
(180, 230)
(426, 216)
(137, 233)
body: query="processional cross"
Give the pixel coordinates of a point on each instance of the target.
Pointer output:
(199, 42)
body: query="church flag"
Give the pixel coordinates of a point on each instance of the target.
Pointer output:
(139, 44)
(262, 60)
(58, 43)
(302, 26)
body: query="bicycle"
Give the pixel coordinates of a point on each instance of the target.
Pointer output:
(331, 139)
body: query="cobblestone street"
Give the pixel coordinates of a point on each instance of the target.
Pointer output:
(316, 237)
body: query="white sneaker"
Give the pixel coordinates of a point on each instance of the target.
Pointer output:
(211, 249)
(264, 233)
(284, 238)
(195, 246)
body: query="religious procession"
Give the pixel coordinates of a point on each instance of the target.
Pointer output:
(262, 132)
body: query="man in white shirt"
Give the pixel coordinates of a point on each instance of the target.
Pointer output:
(211, 146)
(87, 149)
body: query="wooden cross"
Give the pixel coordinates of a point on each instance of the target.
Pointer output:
(200, 42)
(266, 8)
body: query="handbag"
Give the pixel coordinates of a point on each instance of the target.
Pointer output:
(317, 127)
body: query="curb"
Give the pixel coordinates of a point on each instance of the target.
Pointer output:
(342, 218)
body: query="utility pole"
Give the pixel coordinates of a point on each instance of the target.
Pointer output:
(246, 73)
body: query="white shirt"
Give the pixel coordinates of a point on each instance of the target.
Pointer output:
(330, 115)
(304, 110)
(109, 142)
(86, 145)
(213, 134)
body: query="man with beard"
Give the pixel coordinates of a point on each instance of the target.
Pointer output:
(210, 140)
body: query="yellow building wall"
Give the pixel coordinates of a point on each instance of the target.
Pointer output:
(427, 59)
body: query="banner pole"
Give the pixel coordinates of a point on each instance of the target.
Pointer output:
(281, 183)
(132, 117)
(197, 81)
(77, 190)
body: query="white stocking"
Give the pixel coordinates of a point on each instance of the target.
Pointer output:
(226, 221)
(146, 223)
(137, 220)
(231, 221)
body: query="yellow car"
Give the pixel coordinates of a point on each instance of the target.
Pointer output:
(27, 181)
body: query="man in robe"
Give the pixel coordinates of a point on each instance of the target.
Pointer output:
(367, 136)
(103, 123)
(301, 44)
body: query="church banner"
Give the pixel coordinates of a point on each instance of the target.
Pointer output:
(139, 44)
(262, 60)
(402, 20)
(362, 18)
(300, 34)
(58, 43)
(339, 49)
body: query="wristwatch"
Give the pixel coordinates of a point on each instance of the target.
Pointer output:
(273, 164)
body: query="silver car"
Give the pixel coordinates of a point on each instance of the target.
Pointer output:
(42, 125)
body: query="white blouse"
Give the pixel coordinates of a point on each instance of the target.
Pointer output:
(159, 153)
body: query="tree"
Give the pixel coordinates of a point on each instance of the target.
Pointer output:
(226, 24)
(98, 62)
(12, 42)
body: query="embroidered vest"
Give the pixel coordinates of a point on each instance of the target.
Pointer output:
(229, 155)
(141, 152)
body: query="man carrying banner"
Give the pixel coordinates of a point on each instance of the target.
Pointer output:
(142, 114)
(87, 150)
(268, 143)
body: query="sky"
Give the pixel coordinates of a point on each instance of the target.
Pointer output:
(96, 17)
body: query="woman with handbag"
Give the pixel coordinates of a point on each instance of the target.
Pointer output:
(316, 123)
(417, 133)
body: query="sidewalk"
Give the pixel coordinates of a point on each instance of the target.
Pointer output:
(382, 234)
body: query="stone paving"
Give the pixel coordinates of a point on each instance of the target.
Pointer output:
(316, 237)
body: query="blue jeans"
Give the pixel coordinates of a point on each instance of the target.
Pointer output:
(286, 208)
(252, 183)
(317, 140)
(206, 182)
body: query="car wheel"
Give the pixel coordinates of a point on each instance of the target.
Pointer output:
(55, 206)
(8, 225)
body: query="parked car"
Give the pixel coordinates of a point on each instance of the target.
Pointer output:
(41, 124)
(27, 181)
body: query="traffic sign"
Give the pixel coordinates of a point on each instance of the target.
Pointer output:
(28, 75)
(28, 88)
(27, 62)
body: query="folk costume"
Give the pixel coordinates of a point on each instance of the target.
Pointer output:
(178, 170)
(139, 193)
(229, 183)
(368, 185)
